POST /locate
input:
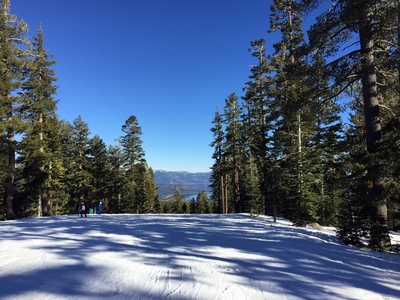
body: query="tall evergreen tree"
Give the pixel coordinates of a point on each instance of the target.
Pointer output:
(98, 170)
(131, 145)
(257, 124)
(294, 117)
(13, 56)
(81, 177)
(115, 179)
(233, 152)
(68, 157)
(138, 198)
(218, 172)
(77, 162)
(326, 147)
(362, 22)
(41, 149)
(354, 221)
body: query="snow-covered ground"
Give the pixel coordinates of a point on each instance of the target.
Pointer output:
(186, 257)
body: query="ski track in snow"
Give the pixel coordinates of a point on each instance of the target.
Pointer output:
(186, 257)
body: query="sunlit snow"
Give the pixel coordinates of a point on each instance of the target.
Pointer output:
(186, 257)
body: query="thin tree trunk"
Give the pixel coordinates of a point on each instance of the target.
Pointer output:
(43, 196)
(39, 205)
(10, 184)
(226, 195)
(398, 39)
(238, 204)
(44, 200)
(222, 195)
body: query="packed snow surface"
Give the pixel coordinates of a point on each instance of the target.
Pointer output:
(186, 257)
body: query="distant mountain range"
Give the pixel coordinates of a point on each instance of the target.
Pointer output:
(188, 183)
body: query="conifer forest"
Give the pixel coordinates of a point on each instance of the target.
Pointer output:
(315, 138)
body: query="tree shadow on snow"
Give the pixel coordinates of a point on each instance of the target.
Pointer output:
(250, 252)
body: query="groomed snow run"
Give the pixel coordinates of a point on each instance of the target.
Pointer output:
(186, 257)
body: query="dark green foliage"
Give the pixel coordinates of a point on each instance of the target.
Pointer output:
(177, 201)
(99, 169)
(258, 122)
(368, 66)
(292, 156)
(115, 179)
(354, 215)
(140, 191)
(40, 156)
(203, 204)
(13, 56)
(218, 168)
(233, 153)
(77, 163)
(294, 118)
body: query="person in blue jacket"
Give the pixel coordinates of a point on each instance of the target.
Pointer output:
(100, 207)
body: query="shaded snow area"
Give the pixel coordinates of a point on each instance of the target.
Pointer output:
(186, 257)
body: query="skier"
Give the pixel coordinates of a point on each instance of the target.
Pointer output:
(82, 209)
(99, 208)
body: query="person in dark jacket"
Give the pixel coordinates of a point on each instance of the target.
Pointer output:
(82, 209)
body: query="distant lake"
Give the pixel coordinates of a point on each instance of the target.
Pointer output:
(190, 197)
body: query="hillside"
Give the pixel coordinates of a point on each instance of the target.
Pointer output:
(182, 257)
(188, 183)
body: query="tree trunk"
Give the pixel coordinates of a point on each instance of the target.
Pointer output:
(9, 184)
(379, 232)
(222, 195)
(238, 202)
(43, 196)
(44, 189)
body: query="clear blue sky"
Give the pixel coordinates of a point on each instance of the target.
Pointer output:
(168, 62)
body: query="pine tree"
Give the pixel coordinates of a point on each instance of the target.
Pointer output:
(115, 179)
(233, 152)
(203, 203)
(258, 122)
(68, 161)
(177, 201)
(77, 162)
(13, 56)
(152, 203)
(82, 177)
(218, 169)
(292, 122)
(322, 133)
(145, 188)
(137, 199)
(354, 220)
(362, 22)
(98, 169)
(40, 146)
(131, 145)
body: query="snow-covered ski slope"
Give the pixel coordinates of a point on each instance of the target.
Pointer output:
(186, 257)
